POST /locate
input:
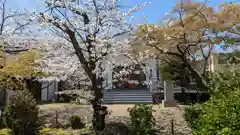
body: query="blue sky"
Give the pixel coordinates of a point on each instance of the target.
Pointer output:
(152, 13)
(157, 9)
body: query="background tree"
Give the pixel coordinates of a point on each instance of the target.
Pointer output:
(13, 23)
(190, 33)
(18, 67)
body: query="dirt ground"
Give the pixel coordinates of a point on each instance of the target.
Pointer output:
(119, 113)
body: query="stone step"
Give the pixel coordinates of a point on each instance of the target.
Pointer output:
(128, 91)
(124, 98)
(126, 102)
(127, 94)
(128, 98)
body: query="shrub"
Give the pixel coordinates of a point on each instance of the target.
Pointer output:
(60, 131)
(223, 82)
(116, 128)
(75, 122)
(21, 114)
(142, 119)
(221, 114)
(1, 123)
(51, 131)
(5, 131)
(191, 115)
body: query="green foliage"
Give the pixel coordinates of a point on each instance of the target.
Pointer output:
(117, 128)
(221, 114)
(223, 82)
(234, 57)
(17, 66)
(230, 41)
(21, 114)
(142, 119)
(5, 131)
(191, 114)
(175, 70)
(1, 122)
(50, 131)
(166, 71)
(75, 122)
(59, 131)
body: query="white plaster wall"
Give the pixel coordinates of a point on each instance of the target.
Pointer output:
(152, 65)
(109, 80)
(51, 91)
(48, 90)
(44, 91)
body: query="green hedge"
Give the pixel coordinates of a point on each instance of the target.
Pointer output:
(50, 131)
(221, 114)
(5, 131)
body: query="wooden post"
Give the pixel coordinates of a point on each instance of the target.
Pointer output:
(172, 126)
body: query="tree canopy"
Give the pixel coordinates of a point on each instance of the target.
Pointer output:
(189, 33)
(17, 67)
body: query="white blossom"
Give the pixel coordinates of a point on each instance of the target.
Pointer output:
(58, 56)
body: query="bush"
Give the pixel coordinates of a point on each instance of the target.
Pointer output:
(191, 115)
(60, 131)
(21, 114)
(51, 131)
(142, 119)
(223, 82)
(221, 114)
(116, 128)
(1, 123)
(75, 122)
(5, 131)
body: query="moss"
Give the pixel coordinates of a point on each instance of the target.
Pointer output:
(5, 131)
(51, 131)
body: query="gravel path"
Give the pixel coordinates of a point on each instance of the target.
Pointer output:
(118, 113)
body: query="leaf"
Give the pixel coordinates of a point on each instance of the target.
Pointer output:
(229, 41)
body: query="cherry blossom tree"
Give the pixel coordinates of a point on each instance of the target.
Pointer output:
(92, 32)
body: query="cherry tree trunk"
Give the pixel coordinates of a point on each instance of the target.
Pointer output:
(200, 80)
(99, 111)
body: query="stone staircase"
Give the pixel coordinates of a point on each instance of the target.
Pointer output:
(127, 96)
